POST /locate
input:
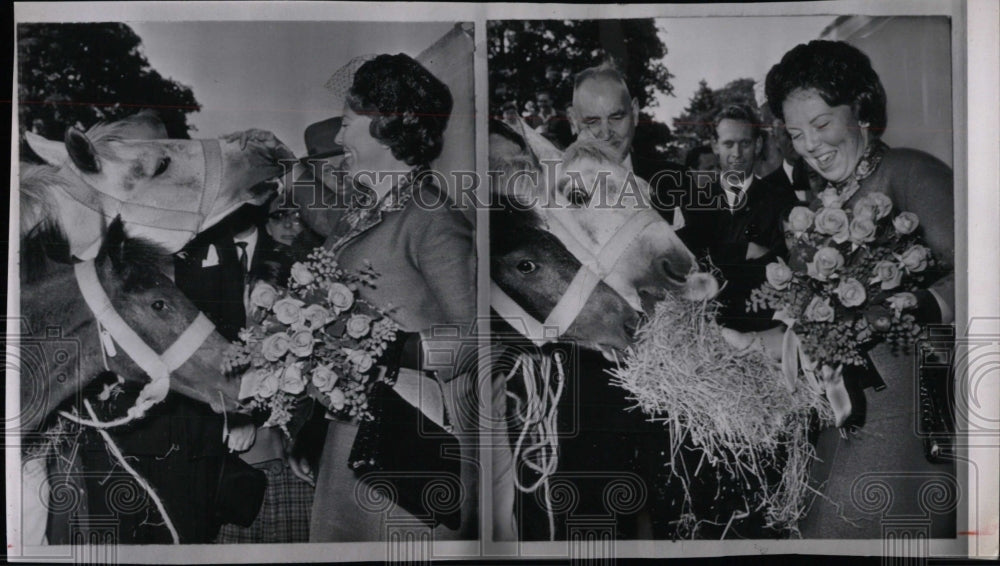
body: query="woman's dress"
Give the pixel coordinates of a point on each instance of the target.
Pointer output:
(424, 253)
(879, 478)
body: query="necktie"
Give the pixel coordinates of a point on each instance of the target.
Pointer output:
(244, 262)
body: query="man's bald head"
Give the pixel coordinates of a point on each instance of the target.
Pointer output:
(603, 109)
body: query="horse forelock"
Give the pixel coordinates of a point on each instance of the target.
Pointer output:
(134, 258)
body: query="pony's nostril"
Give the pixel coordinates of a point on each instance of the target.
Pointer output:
(675, 271)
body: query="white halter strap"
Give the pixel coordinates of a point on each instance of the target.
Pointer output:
(157, 366)
(593, 270)
(151, 216)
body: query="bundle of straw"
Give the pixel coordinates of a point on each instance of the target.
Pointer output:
(732, 405)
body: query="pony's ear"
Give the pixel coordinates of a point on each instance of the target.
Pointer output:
(52, 152)
(82, 151)
(114, 244)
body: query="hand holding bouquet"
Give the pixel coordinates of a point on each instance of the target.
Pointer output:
(849, 282)
(314, 338)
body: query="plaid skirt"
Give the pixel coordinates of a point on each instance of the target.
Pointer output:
(284, 515)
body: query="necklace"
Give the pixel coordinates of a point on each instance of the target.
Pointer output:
(869, 162)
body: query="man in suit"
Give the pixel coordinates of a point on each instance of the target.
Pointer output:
(604, 110)
(738, 226)
(792, 176)
(550, 122)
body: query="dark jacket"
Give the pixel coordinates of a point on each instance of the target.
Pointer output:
(720, 236)
(799, 181)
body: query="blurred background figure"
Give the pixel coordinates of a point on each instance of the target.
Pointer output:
(509, 114)
(701, 158)
(550, 121)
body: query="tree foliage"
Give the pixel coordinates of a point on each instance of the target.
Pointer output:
(694, 126)
(527, 56)
(82, 73)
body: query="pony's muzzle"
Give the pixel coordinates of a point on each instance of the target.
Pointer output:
(675, 267)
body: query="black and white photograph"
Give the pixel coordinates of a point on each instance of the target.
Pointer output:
(239, 211)
(418, 282)
(726, 241)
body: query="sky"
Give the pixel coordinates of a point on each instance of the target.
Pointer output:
(720, 50)
(269, 75)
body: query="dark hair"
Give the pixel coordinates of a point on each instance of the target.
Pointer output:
(409, 106)
(694, 154)
(838, 72)
(740, 113)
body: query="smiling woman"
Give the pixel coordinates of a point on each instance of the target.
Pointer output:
(834, 106)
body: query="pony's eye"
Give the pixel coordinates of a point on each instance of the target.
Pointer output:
(578, 197)
(526, 266)
(161, 167)
(159, 305)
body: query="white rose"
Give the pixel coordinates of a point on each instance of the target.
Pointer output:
(301, 343)
(263, 295)
(268, 386)
(359, 325)
(291, 380)
(275, 346)
(337, 399)
(906, 223)
(779, 275)
(360, 359)
(288, 310)
(301, 274)
(316, 316)
(340, 296)
(323, 377)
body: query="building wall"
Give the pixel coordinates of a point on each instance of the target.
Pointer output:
(912, 55)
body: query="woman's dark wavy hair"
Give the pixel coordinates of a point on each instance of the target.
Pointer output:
(840, 73)
(408, 105)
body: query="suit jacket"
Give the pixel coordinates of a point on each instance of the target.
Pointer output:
(671, 188)
(799, 181)
(722, 236)
(208, 272)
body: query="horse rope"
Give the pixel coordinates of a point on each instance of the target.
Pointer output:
(540, 425)
(135, 475)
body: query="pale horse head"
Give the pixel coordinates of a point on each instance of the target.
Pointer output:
(166, 190)
(602, 213)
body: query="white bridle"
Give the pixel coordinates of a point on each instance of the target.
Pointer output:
(157, 366)
(594, 268)
(170, 220)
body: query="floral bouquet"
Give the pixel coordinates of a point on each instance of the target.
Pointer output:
(849, 282)
(315, 338)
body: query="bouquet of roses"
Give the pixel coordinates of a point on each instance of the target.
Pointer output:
(314, 338)
(849, 282)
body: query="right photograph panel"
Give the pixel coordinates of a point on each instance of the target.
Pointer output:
(722, 257)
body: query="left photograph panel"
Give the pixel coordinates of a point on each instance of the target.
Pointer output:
(246, 285)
